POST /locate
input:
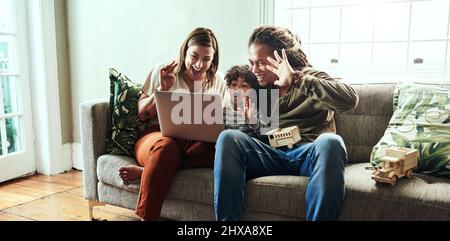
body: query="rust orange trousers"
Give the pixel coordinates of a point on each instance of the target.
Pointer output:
(161, 157)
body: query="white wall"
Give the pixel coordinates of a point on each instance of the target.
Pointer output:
(63, 72)
(133, 35)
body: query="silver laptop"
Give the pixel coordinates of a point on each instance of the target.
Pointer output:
(190, 116)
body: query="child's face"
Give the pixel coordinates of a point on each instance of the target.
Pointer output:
(240, 85)
(238, 89)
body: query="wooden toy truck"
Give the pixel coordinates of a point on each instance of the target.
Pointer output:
(284, 137)
(397, 162)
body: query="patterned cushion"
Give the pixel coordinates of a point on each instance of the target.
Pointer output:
(421, 121)
(125, 126)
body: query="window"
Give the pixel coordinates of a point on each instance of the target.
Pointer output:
(372, 40)
(10, 79)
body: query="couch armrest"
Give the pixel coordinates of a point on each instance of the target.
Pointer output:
(94, 118)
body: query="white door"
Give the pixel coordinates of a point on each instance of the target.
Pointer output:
(16, 129)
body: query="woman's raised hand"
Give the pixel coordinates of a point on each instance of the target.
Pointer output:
(167, 77)
(281, 68)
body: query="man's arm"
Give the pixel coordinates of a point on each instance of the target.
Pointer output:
(330, 93)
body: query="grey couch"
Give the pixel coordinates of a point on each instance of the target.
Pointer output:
(276, 197)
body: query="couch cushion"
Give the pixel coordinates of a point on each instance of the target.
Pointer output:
(364, 126)
(108, 171)
(116, 196)
(261, 193)
(419, 198)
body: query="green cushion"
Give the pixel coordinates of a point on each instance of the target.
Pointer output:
(125, 126)
(421, 121)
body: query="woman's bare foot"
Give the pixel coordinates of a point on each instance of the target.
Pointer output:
(130, 173)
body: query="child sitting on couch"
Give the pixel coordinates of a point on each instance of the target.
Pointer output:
(240, 111)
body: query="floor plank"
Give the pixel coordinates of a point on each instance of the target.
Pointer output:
(6, 204)
(19, 189)
(53, 198)
(118, 211)
(47, 186)
(80, 201)
(12, 217)
(63, 179)
(77, 191)
(37, 213)
(15, 197)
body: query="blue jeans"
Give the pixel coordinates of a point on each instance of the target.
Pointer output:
(239, 158)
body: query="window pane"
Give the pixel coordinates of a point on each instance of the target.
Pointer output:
(447, 69)
(448, 56)
(13, 134)
(325, 24)
(300, 3)
(356, 57)
(391, 21)
(283, 18)
(387, 77)
(429, 58)
(389, 62)
(300, 25)
(283, 4)
(10, 98)
(6, 16)
(356, 1)
(429, 19)
(357, 22)
(389, 57)
(305, 48)
(315, 3)
(321, 56)
(7, 54)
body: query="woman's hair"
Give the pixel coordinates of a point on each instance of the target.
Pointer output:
(278, 38)
(244, 72)
(200, 37)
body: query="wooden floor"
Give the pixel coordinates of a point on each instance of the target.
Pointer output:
(55, 198)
